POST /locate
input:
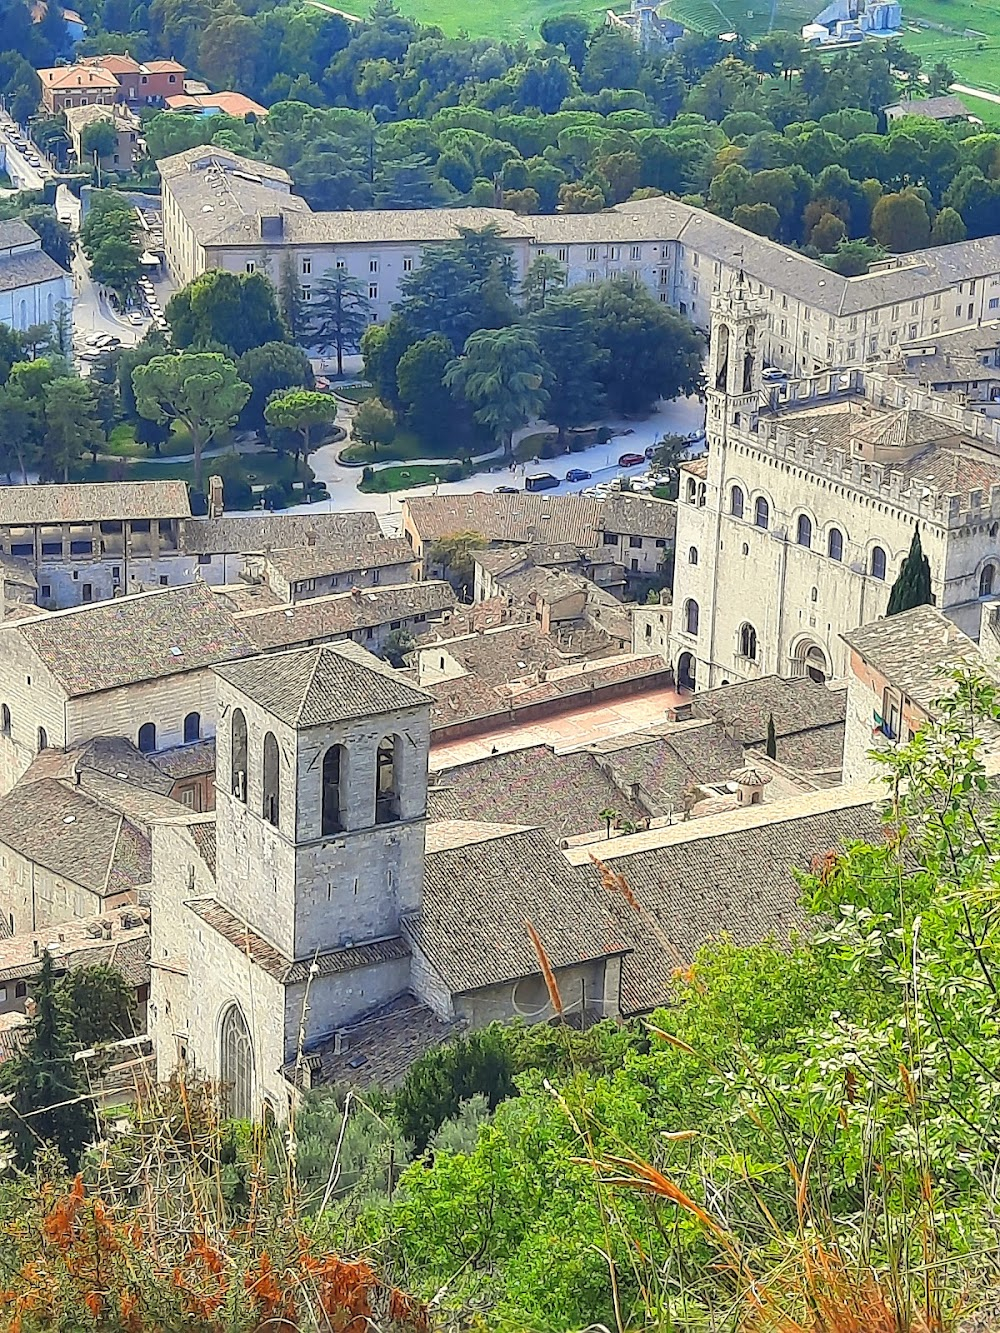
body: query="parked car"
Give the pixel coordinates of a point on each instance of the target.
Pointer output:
(772, 375)
(540, 481)
(505, 490)
(136, 319)
(631, 460)
(577, 474)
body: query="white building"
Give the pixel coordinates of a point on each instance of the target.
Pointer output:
(224, 211)
(33, 288)
(792, 530)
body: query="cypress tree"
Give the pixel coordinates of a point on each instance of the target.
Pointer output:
(771, 748)
(44, 1083)
(913, 586)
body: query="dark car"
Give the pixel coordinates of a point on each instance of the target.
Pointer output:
(540, 481)
(505, 490)
(631, 460)
(577, 474)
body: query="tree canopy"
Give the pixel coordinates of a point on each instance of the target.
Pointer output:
(232, 310)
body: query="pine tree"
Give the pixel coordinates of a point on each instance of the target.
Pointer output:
(771, 746)
(44, 1084)
(913, 587)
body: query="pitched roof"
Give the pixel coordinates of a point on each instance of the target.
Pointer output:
(25, 268)
(322, 618)
(796, 705)
(477, 898)
(563, 793)
(312, 687)
(732, 874)
(89, 502)
(269, 532)
(663, 767)
(639, 515)
(948, 107)
(70, 77)
(75, 835)
(15, 232)
(377, 1049)
(915, 651)
(81, 942)
(329, 962)
(341, 557)
(525, 517)
(148, 636)
(230, 104)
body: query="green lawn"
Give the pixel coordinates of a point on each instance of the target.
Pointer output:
(406, 445)
(240, 474)
(354, 393)
(514, 19)
(123, 444)
(403, 478)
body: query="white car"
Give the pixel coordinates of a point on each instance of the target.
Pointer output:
(136, 319)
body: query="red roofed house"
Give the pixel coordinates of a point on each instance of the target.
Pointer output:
(77, 85)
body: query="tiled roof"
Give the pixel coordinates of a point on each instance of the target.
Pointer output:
(739, 883)
(70, 77)
(938, 108)
(16, 232)
(88, 502)
(269, 532)
(17, 572)
(525, 517)
(352, 553)
(664, 766)
(288, 972)
(322, 618)
(796, 705)
(639, 515)
(817, 754)
(477, 898)
(25, 268)
(186, 761)
(378, 1049)
(191, 160)
(81, 942)
(915, 651)
(203, 835)
(148, 636)
(75, 835)
(311, 687)
(563, 793)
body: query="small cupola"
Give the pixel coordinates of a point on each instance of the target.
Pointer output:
(750, 784)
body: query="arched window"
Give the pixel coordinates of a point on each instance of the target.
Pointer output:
(986, 581)
(804, 531)
(239, 756)
(5, 719)
(692, 490)
(702, 493)
(693, 555)
(147, 737)
(192, 728)
(748, 641)
(691, 616)
(762, 512)
(835, 544)
(736, 502)
(878, 563)
(43, 739)
(333, 765)
(271, 802)
(236, 1065)
(386, 793)
(814, 594)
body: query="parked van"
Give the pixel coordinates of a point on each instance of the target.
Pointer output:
(541, 481)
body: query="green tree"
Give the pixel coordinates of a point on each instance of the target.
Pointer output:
(268, 369)
(771, 745)
(500, 374)
(57, 239)
(429, 405)
(233, 310)
(99, 139)
(440, 1081)
(544, 277)
(913, 585)
(98, 1003)
(48, 1102)
(764, 219)
(337, 315)
(572, 361)
(20, 428)
(301, 410)
(948, 228)
(454, 554)
(71, 425)
(901, 222)
(374, 424)
(396, 644)
(202, 390)
(115, 264)
(668, 455)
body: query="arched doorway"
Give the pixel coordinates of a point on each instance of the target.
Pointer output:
(236, 1065)
(686, 671)
(810, 660)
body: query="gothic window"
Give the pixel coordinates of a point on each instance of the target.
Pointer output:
(748, 363)
(835, 544)
(804, 532)
(701, 494)
(333, 767)
(691, 616)
(748, 641)
(43, 740)
(192, 728)
(736, 502)
(271, 804)
(386, 792)
(236, 1065)
(722, 364)
(692, 490)
(239, 756)
(693, 555)
(5, 719)
(147, 737)
(814, 595)
(878, 563)
(762, 512)
(986, 580)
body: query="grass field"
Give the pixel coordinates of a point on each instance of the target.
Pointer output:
(509, 19)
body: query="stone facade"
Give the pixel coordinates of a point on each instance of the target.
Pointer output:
(793, 529)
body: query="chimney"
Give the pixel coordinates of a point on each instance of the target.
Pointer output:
(106, 929)
(338, 1042)
(36, 951)
(215, 505)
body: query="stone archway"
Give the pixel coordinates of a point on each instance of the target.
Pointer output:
(809, 659)
(686, 671)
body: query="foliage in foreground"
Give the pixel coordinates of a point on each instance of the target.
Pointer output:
(809, 1141)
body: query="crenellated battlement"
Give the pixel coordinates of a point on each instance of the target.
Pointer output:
(808, 450)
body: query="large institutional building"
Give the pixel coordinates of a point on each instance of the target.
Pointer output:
(224, 211)
(792, 529)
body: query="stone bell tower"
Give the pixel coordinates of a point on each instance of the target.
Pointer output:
(735, 359)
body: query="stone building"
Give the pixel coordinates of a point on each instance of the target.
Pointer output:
(224, 211)
(298, 573)
(34, 289)
(792, 530)
(962, 367)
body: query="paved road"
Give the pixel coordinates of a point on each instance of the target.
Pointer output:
(975, 92)
(22, 174)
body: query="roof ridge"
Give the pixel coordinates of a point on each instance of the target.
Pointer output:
(317, 651)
